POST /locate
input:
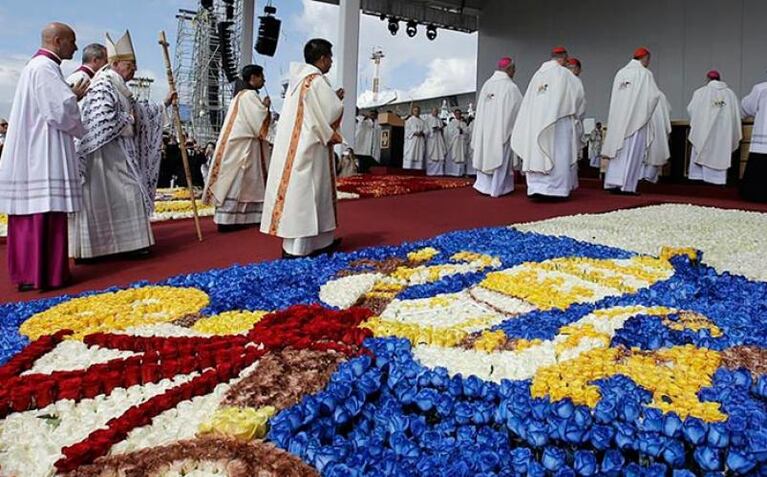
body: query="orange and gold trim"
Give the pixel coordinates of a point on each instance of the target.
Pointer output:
(279, 205)
(223, 139)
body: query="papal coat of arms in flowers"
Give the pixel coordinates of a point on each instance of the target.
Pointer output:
(488, 352)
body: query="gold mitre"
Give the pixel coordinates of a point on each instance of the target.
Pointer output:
(122, 50)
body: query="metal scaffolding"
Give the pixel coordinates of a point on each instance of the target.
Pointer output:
(141, 88)
(200, 63)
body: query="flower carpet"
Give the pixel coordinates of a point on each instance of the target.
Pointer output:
(484, 352)
(366, 185)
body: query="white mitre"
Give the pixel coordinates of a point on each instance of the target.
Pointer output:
(122, 50)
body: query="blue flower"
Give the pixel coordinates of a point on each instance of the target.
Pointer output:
(739, 462)
(694, 431)
(585, 463)
(708, 458)
(553, 458)
(564, 408)
(606, 411)
(521, 458)
(718, 435)
(426, 398)
(612, 462)
(674, 453)
(672, 425)
(601, 436)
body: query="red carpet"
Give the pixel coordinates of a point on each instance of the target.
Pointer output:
(389, 220)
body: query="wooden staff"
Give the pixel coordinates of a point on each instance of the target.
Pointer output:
(180, 132)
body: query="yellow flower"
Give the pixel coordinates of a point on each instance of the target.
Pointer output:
(229, 322)
(116, 311)
(674, 376)
(667, 253)
(244, 423)
(490, 341)
(423, 255)
(179, 206)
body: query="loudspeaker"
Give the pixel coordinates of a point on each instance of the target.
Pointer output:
(268, 35)
(227, 62)
(207, 4)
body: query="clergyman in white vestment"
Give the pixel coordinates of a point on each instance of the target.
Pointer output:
(365, 140)
(658, 151)
(498, 104)
(544, 136)
(436, 149)
(94, 58)
(236, 178)
(39, 180)
(752, 184)
(457, 135)
(470, 171)
(415, 140)
(715, 130)
(630, 131)
(300, 200)
(119, 162)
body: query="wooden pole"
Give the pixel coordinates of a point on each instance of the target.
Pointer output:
(180, 133)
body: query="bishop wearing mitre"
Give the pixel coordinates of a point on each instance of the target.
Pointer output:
(237, 176)
(300, 199)
(119, 161)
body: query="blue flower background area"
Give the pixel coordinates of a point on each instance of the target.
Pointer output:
(386, 414)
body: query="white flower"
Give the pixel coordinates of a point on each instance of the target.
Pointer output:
(731, 240)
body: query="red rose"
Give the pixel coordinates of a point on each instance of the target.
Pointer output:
(169, 368)
(150, 373)
(21, 398)
(131, 376)
(91, 386)
(70, 388)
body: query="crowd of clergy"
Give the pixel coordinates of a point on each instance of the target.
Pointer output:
(81, 157)
(541, 133)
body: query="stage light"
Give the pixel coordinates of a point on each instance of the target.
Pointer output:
(268, 32)
(431, 32)
(382, 17)
(393, 26)
(412, 28)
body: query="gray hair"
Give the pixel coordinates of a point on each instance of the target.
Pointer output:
(94, 51)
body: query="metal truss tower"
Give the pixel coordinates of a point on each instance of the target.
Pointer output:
(207, 59)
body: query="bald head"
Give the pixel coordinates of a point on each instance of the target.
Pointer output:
(60, 39)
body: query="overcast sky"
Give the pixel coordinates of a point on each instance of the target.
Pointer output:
(413, 67)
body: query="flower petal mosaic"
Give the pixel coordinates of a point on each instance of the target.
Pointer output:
(489, 352)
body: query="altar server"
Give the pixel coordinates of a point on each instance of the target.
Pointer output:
(300, 200)
(457, 135)
(753, 185)
(237, 174)
(39, 180)
(415, 140)
(436, 149)
(94, 58)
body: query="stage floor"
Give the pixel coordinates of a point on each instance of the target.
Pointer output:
(363, 223)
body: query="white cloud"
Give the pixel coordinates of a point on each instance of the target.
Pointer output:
(448, 63)
(10, 71)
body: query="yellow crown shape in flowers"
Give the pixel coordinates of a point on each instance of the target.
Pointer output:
(116, 311)
(562, 282)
